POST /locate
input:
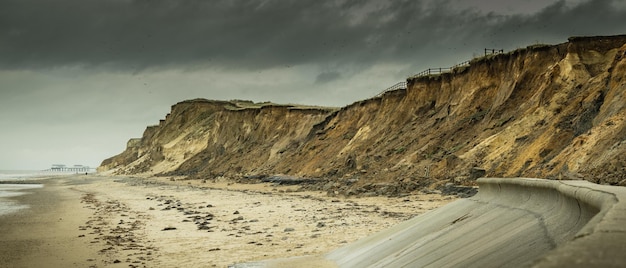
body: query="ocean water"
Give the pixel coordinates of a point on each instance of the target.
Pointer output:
(15, 183)
(21, 175)
(7, 191)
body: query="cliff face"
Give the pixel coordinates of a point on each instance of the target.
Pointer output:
(204, 136)
(544, 111)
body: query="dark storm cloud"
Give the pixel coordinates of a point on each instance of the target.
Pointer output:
(558, 21)
(326, 77)
(139, 34)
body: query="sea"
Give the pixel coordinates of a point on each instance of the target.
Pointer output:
(15, 183)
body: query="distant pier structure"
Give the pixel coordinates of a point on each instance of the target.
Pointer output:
(64, 168)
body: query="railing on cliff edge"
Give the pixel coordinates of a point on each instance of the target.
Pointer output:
(399, 85)
(435, 71)
(493, 51)
(430, 71)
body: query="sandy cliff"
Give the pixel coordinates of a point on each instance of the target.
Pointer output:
(547, 111)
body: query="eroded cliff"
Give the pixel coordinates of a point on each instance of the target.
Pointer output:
(547, 111)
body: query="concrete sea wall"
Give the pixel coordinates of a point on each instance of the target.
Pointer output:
(517, 222)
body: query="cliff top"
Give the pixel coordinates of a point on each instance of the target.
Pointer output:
(237, 105)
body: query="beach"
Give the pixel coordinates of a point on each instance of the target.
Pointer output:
(44, 233)
(100, 221)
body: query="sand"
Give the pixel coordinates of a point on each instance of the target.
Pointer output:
(97, 221)
(46, 234)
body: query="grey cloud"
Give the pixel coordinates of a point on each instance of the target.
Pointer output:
(326, 77)
(139, 34)
(558, 21)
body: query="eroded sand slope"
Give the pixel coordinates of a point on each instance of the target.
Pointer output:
(546, 111)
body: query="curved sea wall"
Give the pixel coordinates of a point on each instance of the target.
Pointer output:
(509, 223)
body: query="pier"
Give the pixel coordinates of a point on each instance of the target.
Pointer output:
(64, 168)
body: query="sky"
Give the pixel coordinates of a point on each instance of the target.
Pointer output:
(78, 78)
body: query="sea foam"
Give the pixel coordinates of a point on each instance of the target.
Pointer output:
(8, 189)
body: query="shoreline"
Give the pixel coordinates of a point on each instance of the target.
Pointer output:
(42, 234)
(113, 221)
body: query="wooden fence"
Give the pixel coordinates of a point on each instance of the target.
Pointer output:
(434, 71)
(399, 85)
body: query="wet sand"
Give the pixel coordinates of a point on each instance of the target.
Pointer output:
(46, 234)
(96, 221)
